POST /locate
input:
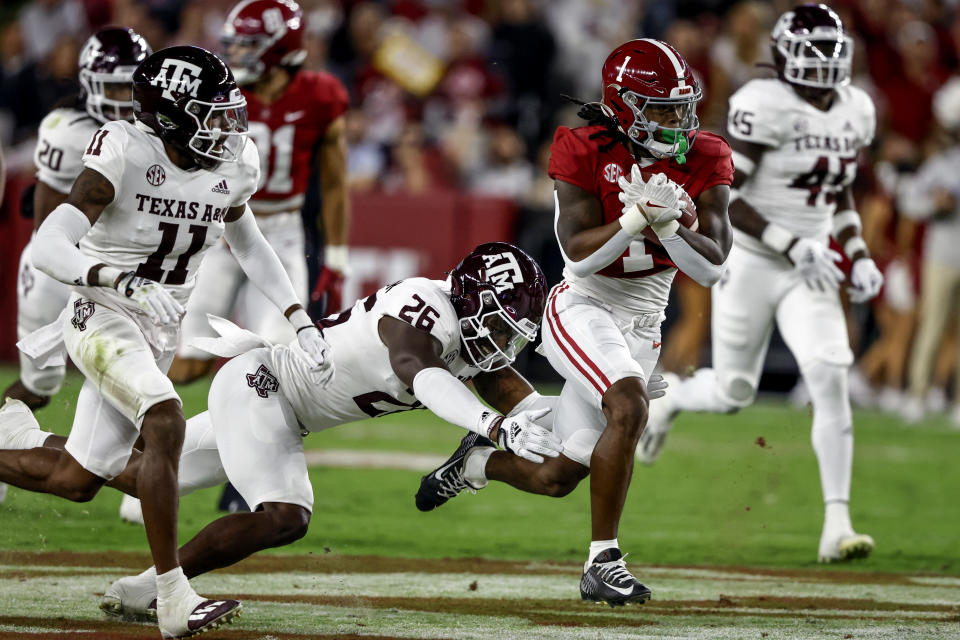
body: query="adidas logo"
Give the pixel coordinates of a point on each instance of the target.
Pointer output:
(221, 187)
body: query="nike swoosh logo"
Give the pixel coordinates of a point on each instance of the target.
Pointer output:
(656, 345)
(295, 115)
(621, 590)
(438, 474)
(655, 206)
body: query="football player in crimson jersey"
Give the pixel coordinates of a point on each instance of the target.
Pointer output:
(293, 114)
(796, 139)
(152, 197)
(602, 323)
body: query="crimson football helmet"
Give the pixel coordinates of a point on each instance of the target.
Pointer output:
(107, 62)
(189, 98)
(647, 75)
(262, 34)
(499, 293)
(811, 48)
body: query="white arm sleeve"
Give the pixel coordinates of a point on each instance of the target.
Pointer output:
(259, 261)
(691, 262)
(450, 400)
(55, 250)
(610, 251)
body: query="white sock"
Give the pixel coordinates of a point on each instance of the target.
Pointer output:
(150, 575)
(596, 546)
(172, 586)
(699, 393)
(475, 466)
(836, 517)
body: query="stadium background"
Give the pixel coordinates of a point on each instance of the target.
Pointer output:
(453, 107)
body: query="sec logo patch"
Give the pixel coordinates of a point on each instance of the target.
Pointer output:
(612, 171)
(156, 175)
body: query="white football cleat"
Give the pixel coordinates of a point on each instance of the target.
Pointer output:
(133, 598)
(843, 547)
(659, 422)
(16, 421)
(130, 510)
(194, 614)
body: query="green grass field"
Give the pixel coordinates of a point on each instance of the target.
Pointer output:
(724, 529)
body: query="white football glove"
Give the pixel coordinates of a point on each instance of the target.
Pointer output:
(865, 280)
(153, 299)
(656, 387)
(631, 191)
(521, 436)
(816, 264)
(318, 354)
(661, 200)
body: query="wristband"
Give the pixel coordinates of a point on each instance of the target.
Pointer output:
(845, 219)
(854, 244)
(665, 229)
(489, 422)
(633, 221)
(335, 256)
(777, 238)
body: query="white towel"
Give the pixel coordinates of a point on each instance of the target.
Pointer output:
(45, 346)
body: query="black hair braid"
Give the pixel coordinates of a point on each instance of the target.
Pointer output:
(594, 115)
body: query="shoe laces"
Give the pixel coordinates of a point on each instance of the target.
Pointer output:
(615, 571)
(453, 483)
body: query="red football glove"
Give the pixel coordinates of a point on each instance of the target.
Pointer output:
(329, 283)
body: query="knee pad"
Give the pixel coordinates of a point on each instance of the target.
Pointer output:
(737, 390)
(827, 384)
(579, 445)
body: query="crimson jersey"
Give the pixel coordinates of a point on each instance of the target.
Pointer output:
(578, 160)
(287, 132)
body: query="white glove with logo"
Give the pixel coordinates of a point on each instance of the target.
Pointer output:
(661, 200)
(865, 280)
(816, 264)
(521, 436)
(153, 299)
(631, 191)
(318, 352)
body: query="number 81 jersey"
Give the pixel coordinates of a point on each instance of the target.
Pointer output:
(162, 218)
(810, 155)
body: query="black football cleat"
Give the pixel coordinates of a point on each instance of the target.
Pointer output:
(446, 481)
(607, 579)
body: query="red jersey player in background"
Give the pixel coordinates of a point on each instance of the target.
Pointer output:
(292, 113)
(622, 246)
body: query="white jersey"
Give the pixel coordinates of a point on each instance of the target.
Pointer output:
(162, 218)
(812, 154)
(365, 385)
(63, 136)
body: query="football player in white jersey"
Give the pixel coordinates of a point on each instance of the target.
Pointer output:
(106, 65)
(795, 143)
(152, 197)
(410, 345)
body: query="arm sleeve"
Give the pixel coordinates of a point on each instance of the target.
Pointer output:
(610, 251)
(259, 261)
(450, 400)
(55, 250)
(691, 262)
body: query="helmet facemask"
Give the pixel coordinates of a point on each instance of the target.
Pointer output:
(661, 140)
(245, 56)
(822, 59)
(98, 88)
(492, 338)
(221, 132)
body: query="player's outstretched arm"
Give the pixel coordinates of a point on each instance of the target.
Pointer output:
(55, 249)
(415, 358)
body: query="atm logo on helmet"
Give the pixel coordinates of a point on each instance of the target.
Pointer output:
(178, 75)
(503, 271)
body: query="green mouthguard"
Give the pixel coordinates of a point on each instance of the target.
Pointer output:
(675, 137)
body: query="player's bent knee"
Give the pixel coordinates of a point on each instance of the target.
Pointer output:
(290, 522)
(738, 391)
(164, 426)
(73, 482)
(625, 405)
(559, 476)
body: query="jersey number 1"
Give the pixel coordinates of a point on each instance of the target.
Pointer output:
(152, 269)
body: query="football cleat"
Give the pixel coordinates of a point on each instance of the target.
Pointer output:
(16, 422)
(204, 616)
(131, 598)
(848, 546)
(607, 579)
(447, 481)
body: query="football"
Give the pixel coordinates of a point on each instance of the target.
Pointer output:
(688, 218)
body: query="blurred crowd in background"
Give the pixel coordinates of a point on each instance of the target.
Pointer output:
(466, 95)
